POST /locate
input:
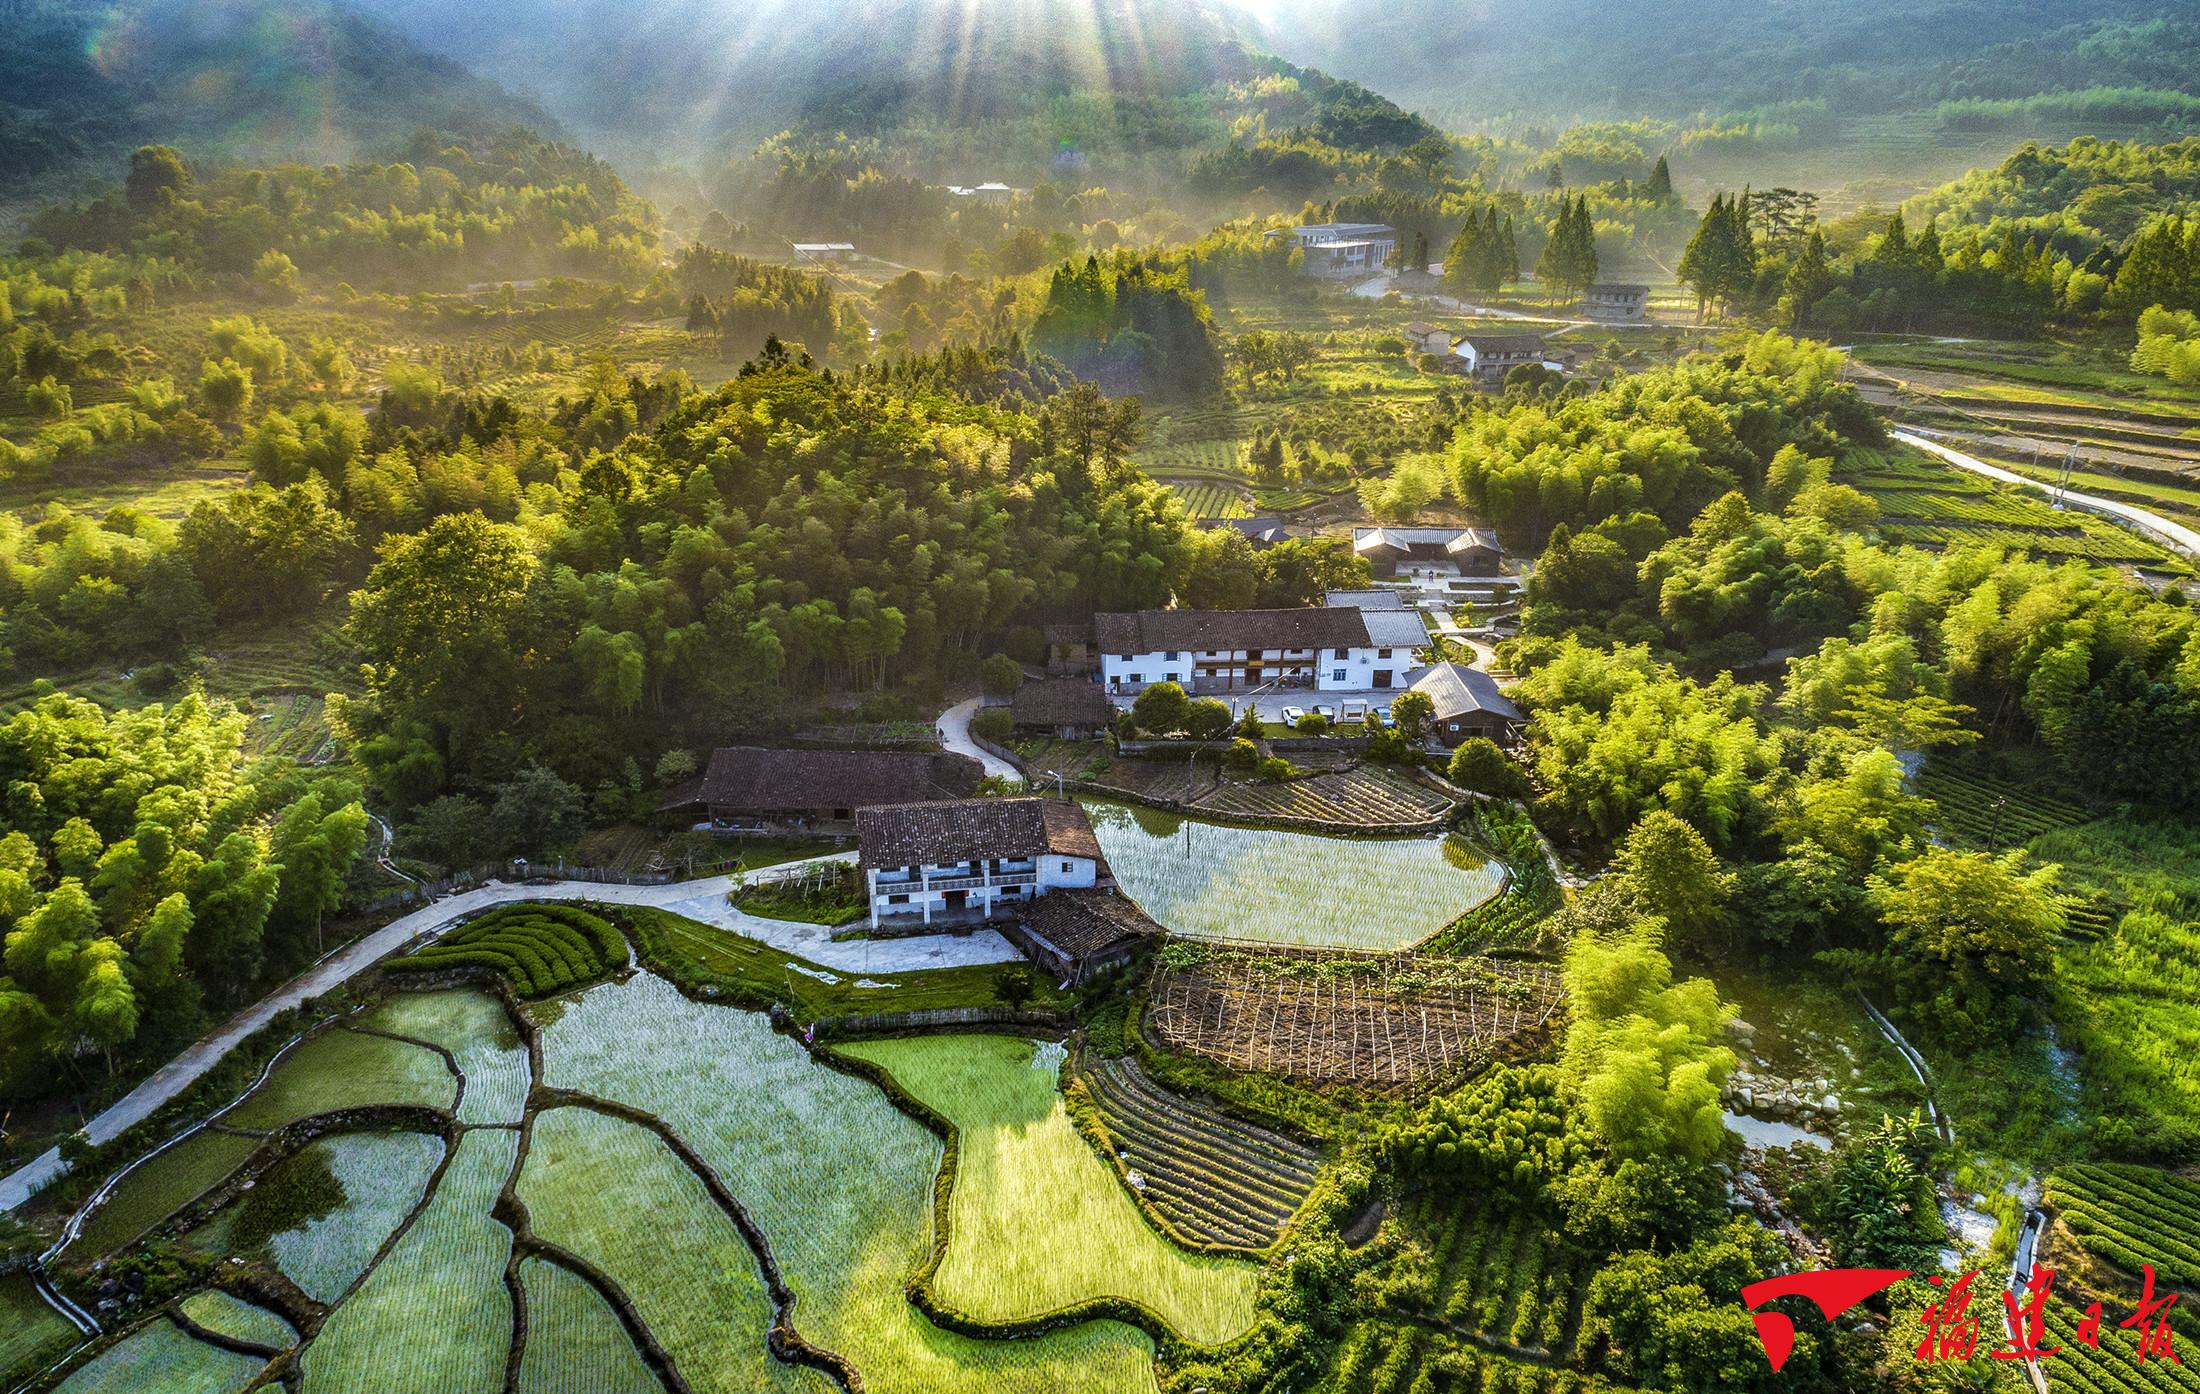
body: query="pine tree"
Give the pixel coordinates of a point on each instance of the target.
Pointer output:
(1660, 189)
(1700, 262)
(1808, 280)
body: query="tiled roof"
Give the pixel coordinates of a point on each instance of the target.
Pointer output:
(958, 830)
(1068, 634)
(753, 779)
(1082, 923)
(1457, 690)
(1453, 540)
(1503, 344)
(1396, 629)
(1061, 702)
(1163, 631)
(1365, 600)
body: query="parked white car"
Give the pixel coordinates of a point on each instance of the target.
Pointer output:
(1291, 715)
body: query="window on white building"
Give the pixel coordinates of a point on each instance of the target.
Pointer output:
(1067, 866)
(1337, 675)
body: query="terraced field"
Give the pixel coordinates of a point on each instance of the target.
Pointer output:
(575, 1342)
(31, 1333)
(473, 1027)
(2130, 1216)
(235, 1319)
(340, 1069)
(1209, 498)
(1384, 1357)
(319, 1215)
(162, 1358)
(1038, 1225)
(433, 1316)
(2114, 1368)
(1976, 809)
(1213, 1178)
(588, 1177)
(158, 1188)
(1925, 504)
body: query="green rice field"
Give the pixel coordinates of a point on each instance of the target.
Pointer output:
(340, 1069)
(589, 1176)
(158, 1188)
(838, 1179)
(320, 1214)
(1037, 1221)
(473, 1027)
(226, 1314)
(433, 1317)
(30, 1331)
(161, 1358)
(575, 1343)
(1267, 886)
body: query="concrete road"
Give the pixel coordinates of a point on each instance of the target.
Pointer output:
(955, 735)
(703, 900)
(2175, 536)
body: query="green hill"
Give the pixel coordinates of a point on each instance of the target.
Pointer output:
(250, 80)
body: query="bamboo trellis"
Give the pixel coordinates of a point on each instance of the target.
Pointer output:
(1368, 1027)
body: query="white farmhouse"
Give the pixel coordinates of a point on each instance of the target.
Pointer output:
(1343, 249)
(1327, 648)
(966, 860)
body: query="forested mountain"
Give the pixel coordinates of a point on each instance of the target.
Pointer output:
(82, 82)
(975, 91)
(1462, 60)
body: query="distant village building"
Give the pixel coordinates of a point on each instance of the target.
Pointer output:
(1616, 300)
(1328, 648)
(1077, 935)
(983, 193)
(1423, 337)
(1488, 357)
(824, 253)
(1468, 704)
(1071, 709)
(1343, 249)
(968, 860)
(752, 790)
(1466, 551)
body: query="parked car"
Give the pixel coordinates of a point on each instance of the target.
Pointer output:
(1327, 712)
(1291, 715)
(1381, 717)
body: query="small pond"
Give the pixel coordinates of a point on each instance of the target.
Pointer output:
(1263, 885)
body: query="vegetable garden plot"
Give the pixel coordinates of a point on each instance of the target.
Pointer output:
(473, 1027)
(612, 1193)
(157, 1188)
(341, 1069)
(1038, 1224)
(575, 1342)
(1260, 885)
(838, 1179)
(320, 1214)
(1501, 1274)
(1370, 1019)
(433, 1317)
(226, 1314)
(1382, 1357)
(1967, 806)
(1213, 1177)
(161, 1358)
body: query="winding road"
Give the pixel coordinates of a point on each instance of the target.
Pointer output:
(2175, 536)
(703, 900)
(955, 735)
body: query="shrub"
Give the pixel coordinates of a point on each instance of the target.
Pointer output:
(1479, 765)
(1275, 767)
(994, 724)
(1312, 724)
(1243, 754)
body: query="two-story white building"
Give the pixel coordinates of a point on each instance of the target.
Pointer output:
(1326, 648)
(966, 860)
(1342, 249)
